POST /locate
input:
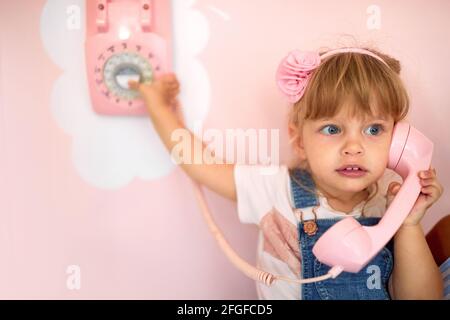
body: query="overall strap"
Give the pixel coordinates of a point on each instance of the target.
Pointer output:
(302, 198)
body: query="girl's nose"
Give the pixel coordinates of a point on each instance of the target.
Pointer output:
(353, 148)
(353, 152)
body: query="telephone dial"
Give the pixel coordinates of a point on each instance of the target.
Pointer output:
(125, 40)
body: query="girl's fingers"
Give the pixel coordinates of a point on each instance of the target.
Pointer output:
(428, 173)
(173, 92)
(429, 189)
(427, 182)
(394, 186)
(170, 75)
(172, 84)
(134, 85)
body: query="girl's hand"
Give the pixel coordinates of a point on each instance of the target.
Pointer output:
(162, 91)
(431, 191)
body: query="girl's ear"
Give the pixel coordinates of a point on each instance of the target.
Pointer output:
(296, 140)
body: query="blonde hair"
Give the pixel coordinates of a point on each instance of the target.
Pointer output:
(376, 89)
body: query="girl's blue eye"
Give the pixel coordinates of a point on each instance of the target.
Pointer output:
(333, 128)
(378, 126)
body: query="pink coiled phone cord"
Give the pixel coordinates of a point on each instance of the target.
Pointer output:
(249, 270)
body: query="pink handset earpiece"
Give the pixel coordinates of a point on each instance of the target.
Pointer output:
(125, 40)
(350, 246)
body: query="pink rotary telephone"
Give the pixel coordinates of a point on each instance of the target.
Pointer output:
(348, 246)
(125, 40)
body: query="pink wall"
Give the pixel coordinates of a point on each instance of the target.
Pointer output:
(142, 236)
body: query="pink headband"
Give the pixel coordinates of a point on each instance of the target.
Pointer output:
(296, 68)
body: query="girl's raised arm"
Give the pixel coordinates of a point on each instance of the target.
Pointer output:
(159, 97)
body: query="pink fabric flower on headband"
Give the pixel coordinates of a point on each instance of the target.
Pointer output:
(294, 72)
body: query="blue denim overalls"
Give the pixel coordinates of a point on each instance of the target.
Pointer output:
(370, 283)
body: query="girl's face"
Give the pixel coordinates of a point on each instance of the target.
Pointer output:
(328, 144)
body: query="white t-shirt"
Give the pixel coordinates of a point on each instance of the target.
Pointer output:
(264, 198)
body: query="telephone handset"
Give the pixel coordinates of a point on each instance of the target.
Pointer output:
(348, 246)
(351, 246)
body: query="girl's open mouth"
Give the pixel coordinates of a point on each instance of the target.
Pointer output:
(352, 173)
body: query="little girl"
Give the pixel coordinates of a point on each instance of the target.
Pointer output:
(345, 105)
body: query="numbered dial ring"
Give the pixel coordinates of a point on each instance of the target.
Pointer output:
(120, 63)
(122, 67)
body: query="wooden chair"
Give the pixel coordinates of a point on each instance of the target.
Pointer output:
(438, 240)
